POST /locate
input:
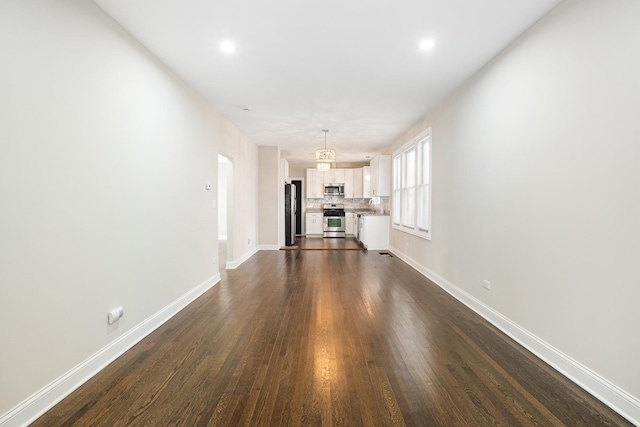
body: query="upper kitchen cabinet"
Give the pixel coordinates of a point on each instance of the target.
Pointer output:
(348, 184)
(366, 182)
(353, 183)
(315, 184)
(357, 183)
(334, 176)
(381, 176)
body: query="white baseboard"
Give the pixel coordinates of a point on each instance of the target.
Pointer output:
(232, 265)
(40, 402)
(611, 395)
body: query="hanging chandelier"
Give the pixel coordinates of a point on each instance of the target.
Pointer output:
(323, 167)
(325, 155)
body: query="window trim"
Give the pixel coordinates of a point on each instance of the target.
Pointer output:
(398, 191)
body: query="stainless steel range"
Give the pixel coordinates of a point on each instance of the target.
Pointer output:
(334, 220)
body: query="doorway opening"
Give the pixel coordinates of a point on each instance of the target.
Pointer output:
(298, 184)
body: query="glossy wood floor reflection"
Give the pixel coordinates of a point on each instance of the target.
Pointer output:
(327, 338)
(319, 243)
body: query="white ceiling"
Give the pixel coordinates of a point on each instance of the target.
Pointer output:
(351, 66)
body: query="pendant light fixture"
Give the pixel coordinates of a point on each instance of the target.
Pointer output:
(323, 167)
(325, 155)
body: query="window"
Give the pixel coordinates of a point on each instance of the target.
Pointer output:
(411, 202)
(408, 195)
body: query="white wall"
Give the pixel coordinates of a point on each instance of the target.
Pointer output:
(104, 159)
(243, 196)
(224, 168)
(536, 188)
(270, 195)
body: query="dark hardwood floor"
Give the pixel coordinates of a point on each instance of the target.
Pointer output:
(327, 337)
(318, 243)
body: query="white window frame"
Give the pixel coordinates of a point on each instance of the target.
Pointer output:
(399, 170)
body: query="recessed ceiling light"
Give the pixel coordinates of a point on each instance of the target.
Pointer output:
(427, 44)
(227, 47)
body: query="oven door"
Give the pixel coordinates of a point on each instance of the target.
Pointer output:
(334, 226)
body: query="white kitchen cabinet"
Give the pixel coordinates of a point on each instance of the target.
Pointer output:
(357, 183)
(374, 232)
(353, 184)
(380, 176)
(315, 184)
(314, 224)
(366, 182)
(373, 170)
(334, 176)
(348, 184)
(355, 225)
(349, 224)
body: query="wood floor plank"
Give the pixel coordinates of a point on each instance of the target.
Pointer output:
(328, 338)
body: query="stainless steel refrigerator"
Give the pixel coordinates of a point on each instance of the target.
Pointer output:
(290, 214)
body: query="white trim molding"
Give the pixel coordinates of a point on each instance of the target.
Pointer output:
(40, 402)
(268, 247)
(608, 393)
(232, 265)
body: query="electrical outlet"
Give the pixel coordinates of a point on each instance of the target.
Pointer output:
(114, 315)
(249, 241)
(486, 284)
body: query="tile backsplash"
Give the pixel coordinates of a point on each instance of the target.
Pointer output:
(376, 203)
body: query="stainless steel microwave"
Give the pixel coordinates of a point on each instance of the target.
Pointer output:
(333, 189)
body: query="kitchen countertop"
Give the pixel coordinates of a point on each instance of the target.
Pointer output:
(358, 210)
(367, 212)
